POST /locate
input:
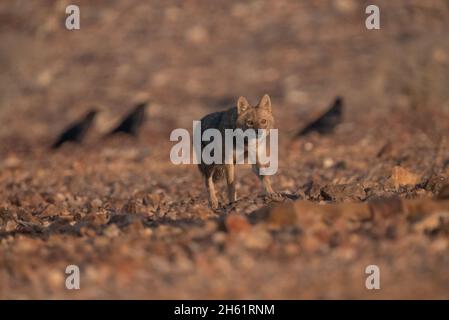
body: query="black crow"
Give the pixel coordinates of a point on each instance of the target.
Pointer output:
(76, 131)
(327, 121)
(133, 121)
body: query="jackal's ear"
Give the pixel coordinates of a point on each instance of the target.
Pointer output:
(242, 105)
(265, 102)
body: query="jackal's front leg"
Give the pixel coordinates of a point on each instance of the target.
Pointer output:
(265, 179)
(213, 201)
(230, 181)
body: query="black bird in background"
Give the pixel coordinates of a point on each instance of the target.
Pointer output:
(77, 131)
(327, 121)
(132, 121)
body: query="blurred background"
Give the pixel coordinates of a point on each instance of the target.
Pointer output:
(200, 56)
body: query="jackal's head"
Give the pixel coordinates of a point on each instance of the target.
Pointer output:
(255, 117)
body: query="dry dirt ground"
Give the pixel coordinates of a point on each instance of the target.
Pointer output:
(138, 226)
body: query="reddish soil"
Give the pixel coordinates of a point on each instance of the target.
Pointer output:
(138, 226)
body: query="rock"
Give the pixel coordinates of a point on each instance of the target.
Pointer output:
(96, 203)
(219, 237)
(282, 215)
(202, 211)
(11, 162)
(345, 6)
(26, 216)
(403, 177)
(443, 193)
(197, 34)
(436, 183)
(153, 201)
(356, 211)
(135, 226)
(440, 245)
(147, 232)
(55, 278)
(172, 13)
(328, 162)
(122, 220)
(257, 239)
(235, 223)
(240, 10)
(384, 207)
(418, 209)
(97, 219)
(60, 226)
(311, 244)
(10, 226)
(84, 229)
(50, 211)
(440, 55)
(432, 222)
(112, 231)
(312, 190)
(308, 146)
(385, 150)
(342, 192)
(130, 206)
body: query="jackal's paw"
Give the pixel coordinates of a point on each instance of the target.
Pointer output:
(214, 206)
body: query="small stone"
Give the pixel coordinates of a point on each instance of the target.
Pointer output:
(443, 194)
(10, 226)
(11, 162)
(153, 200)
(112, 231)
(342, 192)
(55, 278)
(282, 215)
(236, 223)
(310, 244)
(219, 237)
(432, 222)
(50, 211)
(384, 207)
(328, 163)
(197, 34)
(403, 177)
(257, 239)
(440, 245)
(308, 146)
(96, 203)
(147, 232)
(130, 207)
(345, 6)
(135, 226)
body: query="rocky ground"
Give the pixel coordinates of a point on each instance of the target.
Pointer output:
(374, 191)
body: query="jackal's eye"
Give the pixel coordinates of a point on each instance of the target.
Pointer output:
(263, 121)
(249, 123)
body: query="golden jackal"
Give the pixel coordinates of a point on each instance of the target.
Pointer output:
(243, 117)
